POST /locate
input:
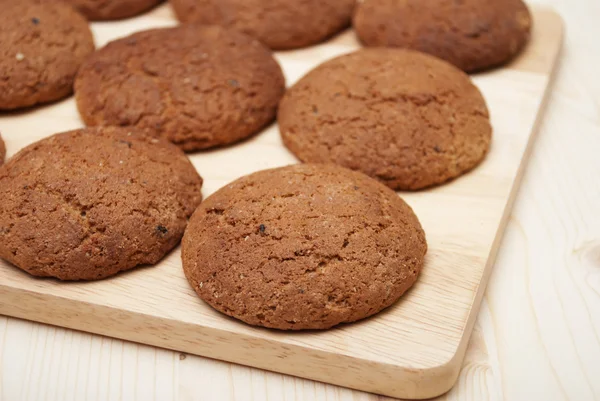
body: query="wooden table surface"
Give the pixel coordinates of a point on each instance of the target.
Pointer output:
(538, 332)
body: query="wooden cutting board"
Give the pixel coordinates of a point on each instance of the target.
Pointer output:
(415, 348)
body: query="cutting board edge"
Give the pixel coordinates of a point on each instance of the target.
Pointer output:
(363, 374)
(470, 323)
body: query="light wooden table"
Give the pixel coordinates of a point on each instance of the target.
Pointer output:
(538, 332)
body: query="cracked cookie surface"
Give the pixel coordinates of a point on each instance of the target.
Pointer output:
(42, 45)
(198, 86)
(471, 34)
(98, 10)
(279, 24)
(405, 118)
(303, 247)
(87, 204)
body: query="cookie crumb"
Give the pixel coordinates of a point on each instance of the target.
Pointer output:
(182, 357)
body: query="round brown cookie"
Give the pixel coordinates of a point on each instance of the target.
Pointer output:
(87, 204)
(2, 151)
(199, 86)
(98, 10)
(41, 48)
(303, 247)
(471, 34)
(403, 117)
(279, 24)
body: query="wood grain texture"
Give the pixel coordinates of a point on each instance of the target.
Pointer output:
(219, 378)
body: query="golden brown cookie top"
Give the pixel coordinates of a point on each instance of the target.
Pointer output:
(98, 10)
(280, 24)
(406, 118)
(303, 247)
(471, 34)
(86, 204)
(42, 45)
(198, 86)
